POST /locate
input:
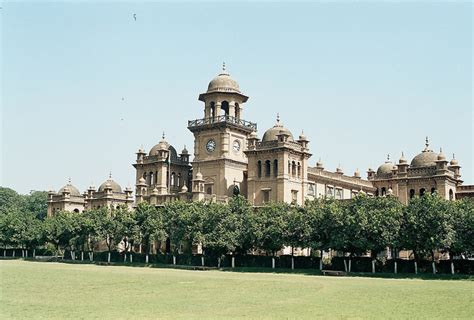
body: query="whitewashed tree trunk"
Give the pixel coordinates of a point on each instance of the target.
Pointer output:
(416, 268)
(452, 267)
(13, 253)
(219, 262)
(108, 257)
(373, 266)
(146, 258)
(34, 253)
(345, 265)
(4, 252)
(434, 267)
(73, 255)
(22, 253)
(90, 256)
(350, 264)
(131, 257)
(292, 263)
(82, 255)
(26, 253)
(273, 262)
(125, 257)
(233, 262)
(395, 267)
(202, 261)
(174, 260)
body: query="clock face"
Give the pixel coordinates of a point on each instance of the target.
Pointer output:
(236, 145)
(211, 146)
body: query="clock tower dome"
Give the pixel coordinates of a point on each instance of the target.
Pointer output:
(220, 139)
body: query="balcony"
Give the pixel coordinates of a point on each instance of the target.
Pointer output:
(223, 119)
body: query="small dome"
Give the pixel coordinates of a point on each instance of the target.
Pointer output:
(110, 184)
(184, 151)
(253, 135)
(302, 136)
(223, 83)
(319, 164)
(441, 156)
(339, 169)
(198, 176)
(454, 161)
(162, 145)
(272, 133)
(184, 189)
(402, 159)
(73, 191)
(357, 174)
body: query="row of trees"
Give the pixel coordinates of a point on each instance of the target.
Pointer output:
(364, 224)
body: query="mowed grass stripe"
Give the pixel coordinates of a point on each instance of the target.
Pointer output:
(59, 291)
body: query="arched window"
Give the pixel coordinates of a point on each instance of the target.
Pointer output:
(145, 177)
(299, 170)
(384, 191)
(225, 108)
(212, 110)
(76, 210)
(275, 168)
(422, 192)
(293, 168)
(289, 167)
(412, 193)
(259, 168)
(152, 180)
(209, 190)
(173, 179)
(267, 168)
(433, 190)
(178, 181)
(451, 194)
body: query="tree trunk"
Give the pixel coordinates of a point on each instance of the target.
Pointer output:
(174, 259)
(73, 255)
(219, 262)
(4, 253)
(202, 261)
(416, 268)
(146, 258)
(395, 266)
(26, 253)
(82, 255)
(108, 257)
(233, 262)
(292, 263)
(13, 253)
(34, 253)
(22, 253)
(373, 265)
(131, 257)
(452, 266)
(321, 264)
(273, 262)
(350, 263)
(434, 267)
(91, 258)
(345, 265)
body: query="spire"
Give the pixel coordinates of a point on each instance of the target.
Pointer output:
(69, 179)
(388, 158)
(163, 135)
(223, 66)
(427, 145)
(278, 124)
(110, 174)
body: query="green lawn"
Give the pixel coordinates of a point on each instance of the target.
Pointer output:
(58, 290)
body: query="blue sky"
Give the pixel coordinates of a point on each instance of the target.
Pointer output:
(362, 79)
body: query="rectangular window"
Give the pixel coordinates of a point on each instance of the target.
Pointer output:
(329, 191)
(339, 194)
(266, 196)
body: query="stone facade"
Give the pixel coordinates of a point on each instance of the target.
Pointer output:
(230, 158)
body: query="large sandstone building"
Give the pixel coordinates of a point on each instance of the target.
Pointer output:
(230, 158)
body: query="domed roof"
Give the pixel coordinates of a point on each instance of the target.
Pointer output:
(110, 183)
(385, 170)
(162, 145)
(427, 158)
(73, 191)
(223, 83)
(454, 161)
(272, 133)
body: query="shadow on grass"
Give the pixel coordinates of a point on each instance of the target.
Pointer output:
(307, 272)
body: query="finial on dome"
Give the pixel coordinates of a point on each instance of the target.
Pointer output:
(278, 117)
(163, 136)
(110, 174)
(69, 179)
(388, 157)
(223, 66)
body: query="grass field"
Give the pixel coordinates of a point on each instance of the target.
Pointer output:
(57, 290)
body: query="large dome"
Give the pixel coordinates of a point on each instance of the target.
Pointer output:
(72, 190)
(162, 145)
(112, 184)
(272, 133)
(223, 83)
(427, 158)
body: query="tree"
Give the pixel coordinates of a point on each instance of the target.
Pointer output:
(427, 226)
(61, 229)
(462, 221)
(243, 211)
(175, 217)
(270, 226)
(10, 200)
(150, 224)
(298, 230)
(37, 203)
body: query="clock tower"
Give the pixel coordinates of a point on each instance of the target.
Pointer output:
(220, 139)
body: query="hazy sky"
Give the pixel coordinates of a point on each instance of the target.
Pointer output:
(362, 79)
